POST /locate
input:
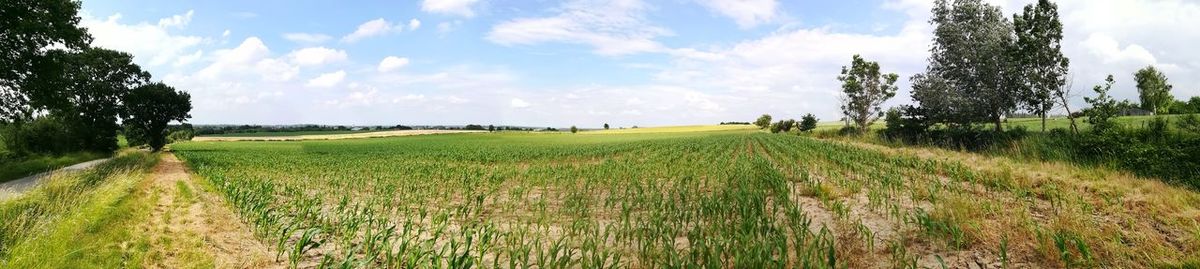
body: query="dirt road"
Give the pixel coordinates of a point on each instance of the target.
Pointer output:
(190, 226)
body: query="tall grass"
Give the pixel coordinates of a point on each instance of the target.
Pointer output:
(75, 219)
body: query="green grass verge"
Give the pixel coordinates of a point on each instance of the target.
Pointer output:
(26, 166)
(79, 220)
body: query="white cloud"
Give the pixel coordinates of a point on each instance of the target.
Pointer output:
(370, 28)
(188, 59)
(327, 80)
(250, 57)
(392, 63)
(178, 21)
(307, 38)
(518, 103)
(317, 56)
(463, 8)
(609, 27)
(413, 24)
(1108, 50)
(226, 33)
(154, 44)
(747, 13)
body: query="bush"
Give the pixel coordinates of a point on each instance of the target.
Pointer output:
(180, 135)
(44, 135)
(1189, 124)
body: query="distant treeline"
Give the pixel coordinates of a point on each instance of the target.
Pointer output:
(246, 128)
(735, 123)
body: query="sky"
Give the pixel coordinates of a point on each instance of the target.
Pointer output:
(582, 62)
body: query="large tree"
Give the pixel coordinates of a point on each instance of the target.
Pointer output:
(85, 89)
(150, 108)
(1153, 90)
(971, 76)
(763, 121)
(1039, 54)
(27, 29)
(865, 88)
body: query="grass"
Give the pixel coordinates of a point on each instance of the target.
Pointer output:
(78, 220)
(25, 166)
(733, 198)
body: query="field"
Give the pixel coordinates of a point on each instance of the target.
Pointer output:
(299, 133)
(673, 129)
(327, 135)
(733, 199)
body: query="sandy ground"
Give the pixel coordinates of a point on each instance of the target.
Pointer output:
(190, 225)
(15, 188)
(331, 137)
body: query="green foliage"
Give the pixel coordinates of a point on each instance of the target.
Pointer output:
(85, 90)
(46, 135)
(1043, 67)
(865, 88)
(1153, 90)
(971, 66)
(763, 121)
(28, 27)
(1189, 123)
(1104, 107)
(783, 126)
(808, 122)
(574, 130)
(148, 110)
(606, 126)
(180, 136)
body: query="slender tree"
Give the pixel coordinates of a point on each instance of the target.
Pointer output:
(1153, 90)
(150, 108)
(865, 88)
(1104, 107)
(971, 77)
(1043, 67)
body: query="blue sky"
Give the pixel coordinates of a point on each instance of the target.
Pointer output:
(577, 62)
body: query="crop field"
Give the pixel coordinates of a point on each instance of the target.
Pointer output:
(724, 199)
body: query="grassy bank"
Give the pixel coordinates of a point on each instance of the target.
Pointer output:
(19, 167)
(78, 220)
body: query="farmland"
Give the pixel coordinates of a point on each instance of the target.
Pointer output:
(733, 198)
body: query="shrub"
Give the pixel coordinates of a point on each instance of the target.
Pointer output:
(1189, 124)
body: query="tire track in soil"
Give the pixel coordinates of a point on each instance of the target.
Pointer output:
(190, 227)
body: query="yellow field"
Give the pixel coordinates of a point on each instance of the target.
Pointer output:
(674, 129)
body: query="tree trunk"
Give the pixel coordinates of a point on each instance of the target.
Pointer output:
(1070, 116)
(1043, 122)
(999, 124)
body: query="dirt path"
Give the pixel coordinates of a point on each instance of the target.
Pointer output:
(15, 188)
(192, 227)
